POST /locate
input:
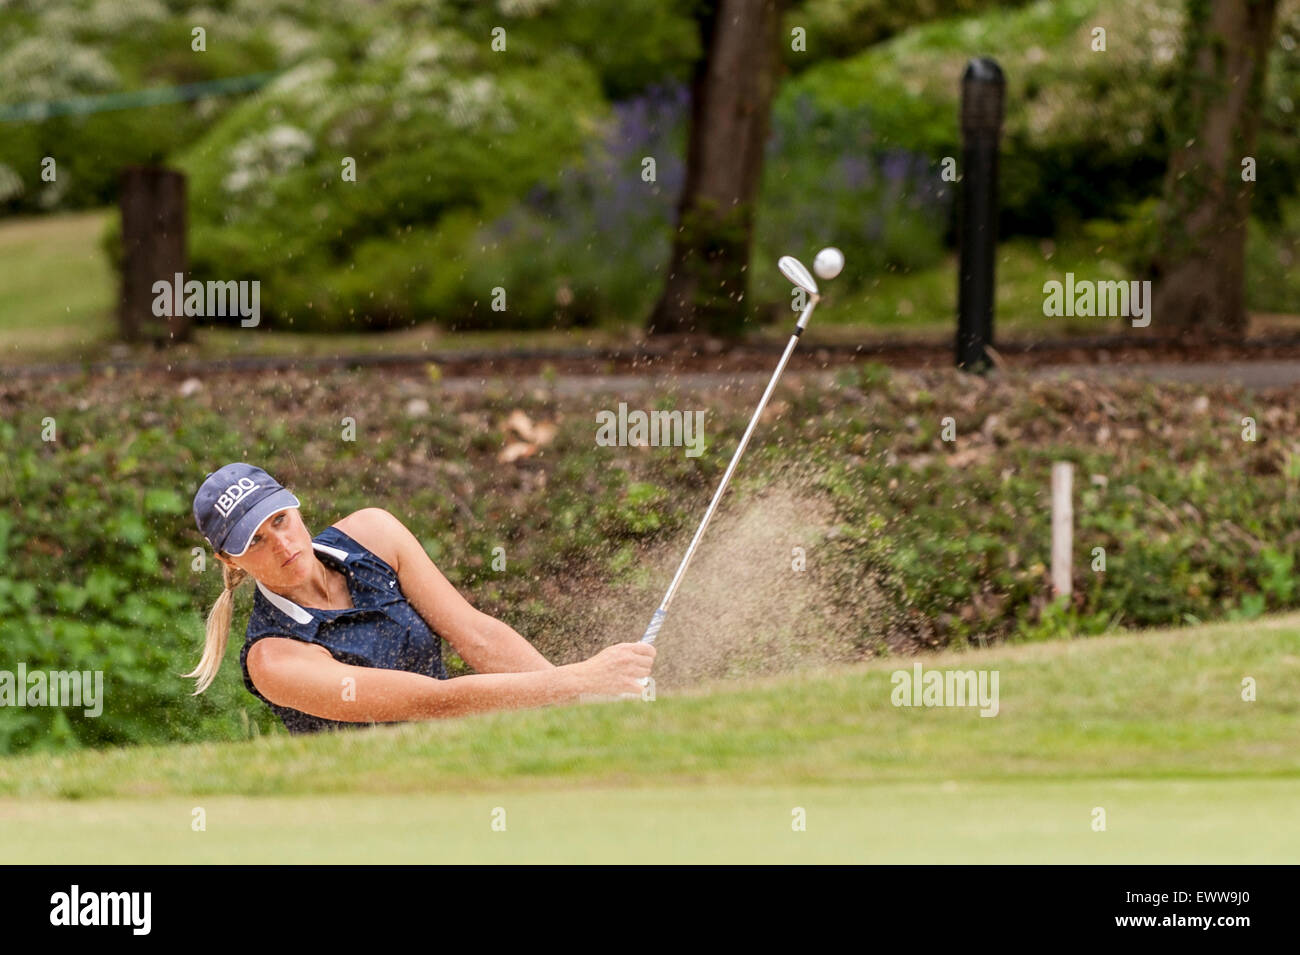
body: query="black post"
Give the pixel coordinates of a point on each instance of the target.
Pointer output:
(982, 89)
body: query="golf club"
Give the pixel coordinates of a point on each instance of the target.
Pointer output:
(829, 263)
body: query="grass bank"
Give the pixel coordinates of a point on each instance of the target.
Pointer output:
(1151, 728)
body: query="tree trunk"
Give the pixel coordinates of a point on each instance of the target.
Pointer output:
(153, 250)
(1199, 275)
(731, 99)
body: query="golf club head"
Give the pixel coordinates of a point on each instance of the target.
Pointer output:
(794, 270)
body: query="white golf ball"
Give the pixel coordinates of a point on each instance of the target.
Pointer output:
(828, 263)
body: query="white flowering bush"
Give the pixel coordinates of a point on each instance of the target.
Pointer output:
(1085, 132)
(262, 155)
(51, 68)
(434, 125)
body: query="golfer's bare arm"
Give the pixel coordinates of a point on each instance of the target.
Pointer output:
(513, 675)
(305, 677)
(487, 644)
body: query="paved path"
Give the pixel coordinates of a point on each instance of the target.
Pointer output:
(1253, 375)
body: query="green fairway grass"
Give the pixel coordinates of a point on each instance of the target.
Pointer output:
(1239, 821)
(56, 286)
(1150, 727)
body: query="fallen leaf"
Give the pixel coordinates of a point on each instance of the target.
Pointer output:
(545, 432)
(521, 424)
(516, 450)
(959, 459)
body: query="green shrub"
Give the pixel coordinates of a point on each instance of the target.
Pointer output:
(949, 542)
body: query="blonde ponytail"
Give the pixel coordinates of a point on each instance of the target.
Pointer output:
(218, 629)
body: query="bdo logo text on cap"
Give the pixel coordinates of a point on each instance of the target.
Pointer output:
(234, 494)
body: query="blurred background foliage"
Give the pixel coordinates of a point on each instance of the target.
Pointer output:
(478, 170)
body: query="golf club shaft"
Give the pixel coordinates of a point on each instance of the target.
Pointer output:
(657, 620)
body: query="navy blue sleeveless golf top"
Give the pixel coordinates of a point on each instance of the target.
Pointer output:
(381, 628)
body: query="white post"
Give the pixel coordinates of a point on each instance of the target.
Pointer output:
(1062, 528)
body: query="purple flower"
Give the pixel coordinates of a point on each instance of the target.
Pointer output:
(895, 166)
(855, 171)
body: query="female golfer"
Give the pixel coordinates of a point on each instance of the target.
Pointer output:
(345, 626)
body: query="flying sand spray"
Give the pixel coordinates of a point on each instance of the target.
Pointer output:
(827, 264)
